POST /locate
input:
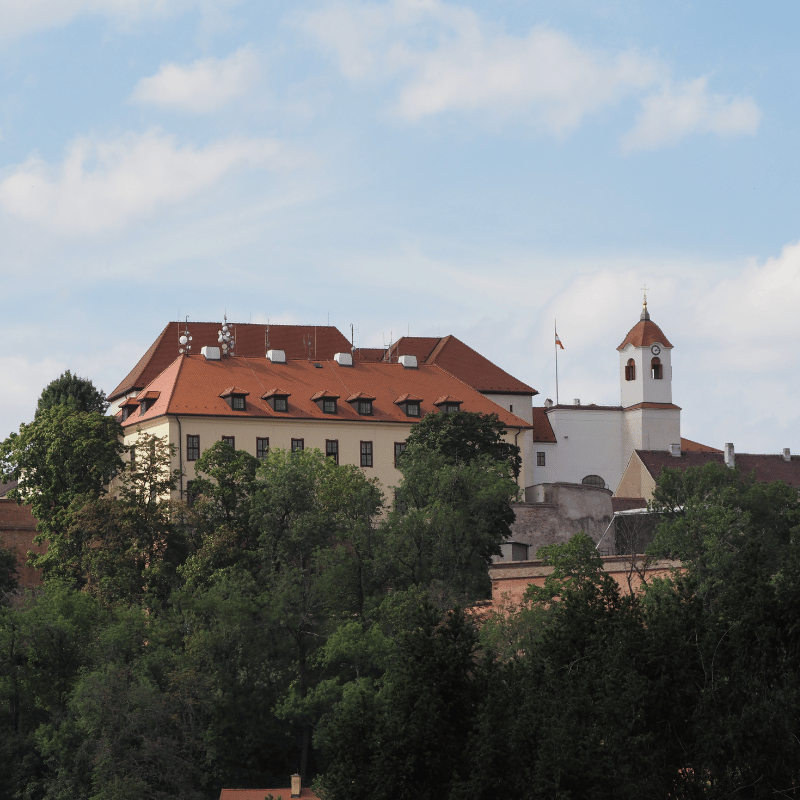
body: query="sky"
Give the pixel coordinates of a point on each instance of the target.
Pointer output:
(482, 169)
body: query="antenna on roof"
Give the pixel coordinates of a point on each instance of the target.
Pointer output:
(226, 338)
(185, 338)
(352, 339)
(266, 338)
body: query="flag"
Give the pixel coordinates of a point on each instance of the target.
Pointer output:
(558, 341)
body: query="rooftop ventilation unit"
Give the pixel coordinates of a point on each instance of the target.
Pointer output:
(211, 353)
(675, 450)
(343, 359)
(408, 362)
(277, 356)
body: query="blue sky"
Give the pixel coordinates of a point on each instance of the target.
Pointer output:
(415, 166)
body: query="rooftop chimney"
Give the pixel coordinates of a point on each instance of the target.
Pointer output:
(409, 362)
(295, 785)
(277, 356)
(730, 456)
(576, 401)
(787, 454)
(211, 353)
(675, 450)
(548, 403)
(343, 359)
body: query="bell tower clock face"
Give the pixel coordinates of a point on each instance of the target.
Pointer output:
(655, 349)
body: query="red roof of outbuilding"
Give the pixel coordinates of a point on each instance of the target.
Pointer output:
(260, 794)
(767, 467)
(191, 385)
(297, 341)
(542, 429)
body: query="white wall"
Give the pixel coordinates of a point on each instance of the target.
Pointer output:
(590, 442)
(644, 389)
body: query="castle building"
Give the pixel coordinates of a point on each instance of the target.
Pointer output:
(592, 444)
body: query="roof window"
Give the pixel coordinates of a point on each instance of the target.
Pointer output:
(411, 405)
(362, 403)
(235, 398)
(326, 401)
(277, 399)
(448, 404)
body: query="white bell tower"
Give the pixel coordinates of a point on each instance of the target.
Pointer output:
(645, 364)
(652, 422)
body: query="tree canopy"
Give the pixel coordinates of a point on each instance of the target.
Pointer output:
(78, 394)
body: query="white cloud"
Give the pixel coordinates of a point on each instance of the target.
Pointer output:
(674, 112)
(18, 17)
(101, 185)
(447, 59)
(202, 86)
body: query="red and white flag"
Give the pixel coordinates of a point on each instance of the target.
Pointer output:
(558, 341)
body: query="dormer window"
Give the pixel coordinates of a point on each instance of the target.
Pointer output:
(630, 370)
(146, 401)
(235, 398)
(327, 402)
(128, 408)
(411, 404)
(656, 369)
(277, 399)
(448, 404)
(362, 403)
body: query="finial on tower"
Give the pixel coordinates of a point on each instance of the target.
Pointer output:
(645, 313)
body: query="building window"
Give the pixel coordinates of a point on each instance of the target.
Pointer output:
(594, 480)
(280, 404)
(133, 454)
(511, 408)
(298, 445)
(399, 449)
(412, 409)
(191, 494)
(366, 454)
(329, 405)
(365, 408)
(262, 446)
(332, 449)
(143, 406)
(541, 459)
(231, 440)
(192, 447)
(399, 502)
(237, 402)
(656, 369)
(450, 408)
(630, 370)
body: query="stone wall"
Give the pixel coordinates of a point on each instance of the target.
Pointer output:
(554, 512)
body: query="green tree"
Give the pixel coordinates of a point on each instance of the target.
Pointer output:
(61, 460)
(405, 734)
(78, 394)
(462, 437)
(453, 506)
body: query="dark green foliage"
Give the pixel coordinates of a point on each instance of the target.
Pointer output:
(462, 437)
(70, 391)
(454, 505)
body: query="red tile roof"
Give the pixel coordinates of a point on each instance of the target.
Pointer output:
(191, 385)
(767, 468)
(542, 429)
(260, 794)
(456, 357)
(643, 334)
(688, 444)
(298, 341)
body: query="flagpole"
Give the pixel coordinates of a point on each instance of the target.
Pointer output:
(555, 347)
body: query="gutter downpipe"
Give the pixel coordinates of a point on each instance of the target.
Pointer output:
(180, 453)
